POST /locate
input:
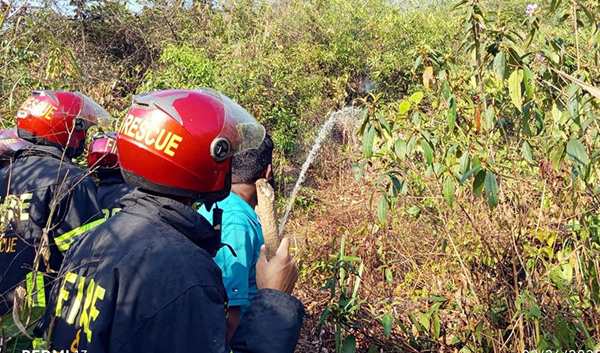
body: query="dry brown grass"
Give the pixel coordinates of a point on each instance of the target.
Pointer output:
(472, 256)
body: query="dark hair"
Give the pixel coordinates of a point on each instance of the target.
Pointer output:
(247, 167)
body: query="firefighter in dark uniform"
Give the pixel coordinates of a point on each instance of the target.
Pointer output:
(145, 280)
(103, 160)
(50, 199)
(10, 142)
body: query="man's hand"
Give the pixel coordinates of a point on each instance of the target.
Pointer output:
(280, 272)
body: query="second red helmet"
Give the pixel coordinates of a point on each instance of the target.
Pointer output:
(10, 143)
(102, 151)
(180, 142)
(59, 118)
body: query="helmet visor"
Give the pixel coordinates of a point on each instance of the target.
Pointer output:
(93, 113)
(239, 127)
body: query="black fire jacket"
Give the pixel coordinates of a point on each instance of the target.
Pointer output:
(40, 192)
(144, 281)
(111, 187)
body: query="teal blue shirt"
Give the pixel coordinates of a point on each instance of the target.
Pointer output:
(242, 230)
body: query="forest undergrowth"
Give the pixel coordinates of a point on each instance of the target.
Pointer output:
(460, 214)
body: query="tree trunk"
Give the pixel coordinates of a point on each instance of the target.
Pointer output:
(268, 217)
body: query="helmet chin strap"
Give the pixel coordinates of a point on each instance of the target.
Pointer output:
(217, 222)
(217, 219)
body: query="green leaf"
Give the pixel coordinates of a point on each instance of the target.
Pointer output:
(464, 163)
(351, 259)
(491, 189)
(416, 97)
(426, 136)
(325, 312)
(387, 324)
(404, 107)
(528, 82)
(554, 5)
(588, 122)
(451, 113)
(551, 55)
(438, 169)
(424, 320)
(514, 88)
(436, 326)
(358, 170)
(368, 138)
(526, 149)
(427, 151)
(500, 64)
(475, 169)
(382, 209)
(448, 191)
(573, 108)
(434, 308)
(478, 182)
(384, 122)
(410, 145)
(479, 332)
(573, 91)
(446, 92)
(417, 62)
(576, 152)
(588, 14)
(349, 345)
(557, 155)
(416, 118)
(437, 299)
(490, 116)
(556, 113)
(413, 211)
(400, 148)
(414, 320)
(373, 349)
(389, 277)
(396, 185)
(535, 312)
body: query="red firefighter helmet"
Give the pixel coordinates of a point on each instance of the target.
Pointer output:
(180, 142)
(59, 118)
(10, 143)
(102, 151)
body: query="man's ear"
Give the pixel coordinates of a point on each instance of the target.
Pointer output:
(269, 172)
(269, 176)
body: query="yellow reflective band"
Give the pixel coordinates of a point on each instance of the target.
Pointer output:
(64, 241)
(35, 290)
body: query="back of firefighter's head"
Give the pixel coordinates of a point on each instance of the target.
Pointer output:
(180, 142)
(102, 152)
(59, 119)
(249, 166)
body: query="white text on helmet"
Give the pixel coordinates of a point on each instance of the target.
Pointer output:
(111, 146)
(151, 134)
(37, 108)
(7, 142)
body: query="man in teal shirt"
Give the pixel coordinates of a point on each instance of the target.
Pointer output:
(241, 229)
